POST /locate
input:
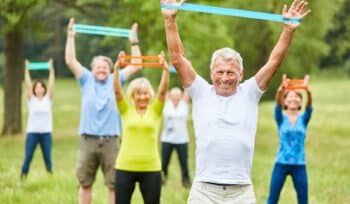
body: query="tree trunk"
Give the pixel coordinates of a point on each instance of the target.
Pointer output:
(13, 76)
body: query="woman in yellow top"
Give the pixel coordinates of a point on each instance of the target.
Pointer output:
(138, 159)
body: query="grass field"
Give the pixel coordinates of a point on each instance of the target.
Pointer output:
(327, 147)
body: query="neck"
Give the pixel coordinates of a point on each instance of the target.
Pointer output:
(39, 97)
(141, 110)
(292, 112)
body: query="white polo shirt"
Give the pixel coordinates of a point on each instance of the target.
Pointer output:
(225, 130)
(175, 123)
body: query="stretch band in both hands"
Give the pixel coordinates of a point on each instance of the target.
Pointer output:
(101, 30)
(144, 64)
(294, 84)
(231, 12)
(38, 66)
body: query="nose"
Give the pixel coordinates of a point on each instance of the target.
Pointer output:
(143, 96)
(224, 77)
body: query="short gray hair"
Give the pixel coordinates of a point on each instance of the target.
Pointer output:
(103, 58)
(137, 83)
(227, 54)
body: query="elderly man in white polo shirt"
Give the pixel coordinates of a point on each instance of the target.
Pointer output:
(225, 113)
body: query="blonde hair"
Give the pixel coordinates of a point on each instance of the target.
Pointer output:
(138, 83)
(103, 58)
(175, 90)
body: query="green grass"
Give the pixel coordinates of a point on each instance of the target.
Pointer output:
(327, 148)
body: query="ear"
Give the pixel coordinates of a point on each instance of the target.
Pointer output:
(211, 75)
(241, 75)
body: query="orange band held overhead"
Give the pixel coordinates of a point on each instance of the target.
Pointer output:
(145, 64)
(293, 84)
(141, 57)
(153, 61)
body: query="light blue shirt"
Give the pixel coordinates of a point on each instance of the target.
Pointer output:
(291, 137)
(99, 114)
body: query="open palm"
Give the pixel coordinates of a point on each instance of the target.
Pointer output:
(298, 9)
(171, 12)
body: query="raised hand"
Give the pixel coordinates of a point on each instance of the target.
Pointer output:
(70, 30)
(306, 81)
(163, 61)
(298, 9)
(171, 12)
(50, 63)
(284, 83)
(120, 60)
(26, 63)
(133, 34)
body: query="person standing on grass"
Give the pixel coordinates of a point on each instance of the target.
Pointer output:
(225, 114)
(292, 128)
(138, 159)
(39, 124)
(100, 119)
(175, 132)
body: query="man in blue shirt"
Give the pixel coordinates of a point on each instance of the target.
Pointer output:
(100, 119)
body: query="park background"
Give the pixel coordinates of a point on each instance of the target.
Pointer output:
(36, 29)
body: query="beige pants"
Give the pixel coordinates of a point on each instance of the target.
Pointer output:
(205, 193)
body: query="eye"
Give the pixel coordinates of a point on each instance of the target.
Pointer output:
(230, 73)
(219, 72)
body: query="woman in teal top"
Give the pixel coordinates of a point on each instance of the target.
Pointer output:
(292, 127)
(138, 159)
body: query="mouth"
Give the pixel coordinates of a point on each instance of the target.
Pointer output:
(224, 85)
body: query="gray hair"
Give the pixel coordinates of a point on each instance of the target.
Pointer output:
(138, 83)
(103, 58)
(227, 54)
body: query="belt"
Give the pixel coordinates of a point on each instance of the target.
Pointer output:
(221, 184)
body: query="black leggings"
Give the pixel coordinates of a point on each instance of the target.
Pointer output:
(150, 184)
(181, 149)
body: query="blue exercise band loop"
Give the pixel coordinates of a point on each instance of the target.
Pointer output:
(231, 12)
(38, 66)
(172, 70)
(101, 30)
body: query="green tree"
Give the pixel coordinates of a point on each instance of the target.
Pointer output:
(338, 37)
(17, 18)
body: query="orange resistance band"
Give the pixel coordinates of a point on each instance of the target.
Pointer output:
(293, 84)
(145, 64)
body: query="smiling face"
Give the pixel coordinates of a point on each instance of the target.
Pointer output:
(101, 68)
(141, 97)
(292, 100)
(226, 75)
(39, 89)
(175, 96)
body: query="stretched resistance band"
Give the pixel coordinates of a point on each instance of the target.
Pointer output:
(230, 12)
(172, 69)
(145, 64)
(293, 84)
(38, 66)
(101, 30)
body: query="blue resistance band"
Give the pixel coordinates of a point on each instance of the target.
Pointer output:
(172, 70)
(231, 12)
(101, 30)
(38, 66)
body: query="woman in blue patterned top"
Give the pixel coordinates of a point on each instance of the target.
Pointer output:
(292, 126)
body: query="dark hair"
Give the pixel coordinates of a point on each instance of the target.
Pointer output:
(285, 94)
(42, 84)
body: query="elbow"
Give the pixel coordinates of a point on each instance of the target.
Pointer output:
(177, 58)
(177, 61)
(68, 61)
